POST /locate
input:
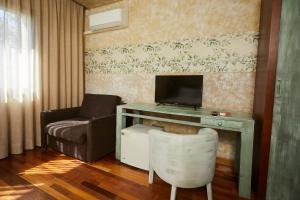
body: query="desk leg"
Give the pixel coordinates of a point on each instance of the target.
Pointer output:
(137, 120)
(246, 160)
(121, 123)
(237, 154)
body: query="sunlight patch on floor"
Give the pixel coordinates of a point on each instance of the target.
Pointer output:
(14, 192)
(53, 167)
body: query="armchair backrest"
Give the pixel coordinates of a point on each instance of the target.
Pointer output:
(96, 105)
(186, 161)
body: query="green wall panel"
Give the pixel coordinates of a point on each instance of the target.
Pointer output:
(284, 168)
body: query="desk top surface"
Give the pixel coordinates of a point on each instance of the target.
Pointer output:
(185, 111)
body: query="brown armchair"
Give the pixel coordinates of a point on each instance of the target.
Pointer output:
(87, 132)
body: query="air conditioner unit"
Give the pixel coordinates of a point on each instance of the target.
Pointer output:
(108, 20)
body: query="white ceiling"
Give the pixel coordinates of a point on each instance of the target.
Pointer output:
(95, 3)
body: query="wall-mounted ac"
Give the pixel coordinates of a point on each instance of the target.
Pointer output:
(107, 20)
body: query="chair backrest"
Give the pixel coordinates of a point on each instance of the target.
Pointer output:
(185, 161)
(96, 105)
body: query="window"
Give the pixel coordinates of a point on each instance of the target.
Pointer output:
(18, 57)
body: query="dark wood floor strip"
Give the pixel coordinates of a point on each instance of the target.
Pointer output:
(99, 190)
(65, 192)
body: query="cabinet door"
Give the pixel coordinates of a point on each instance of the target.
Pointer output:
(284, 161)
(135, 149)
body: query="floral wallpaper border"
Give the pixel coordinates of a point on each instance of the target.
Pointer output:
(224, 53)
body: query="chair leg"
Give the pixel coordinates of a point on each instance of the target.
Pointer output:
(151, 174)
(173, 193)
(209, 191)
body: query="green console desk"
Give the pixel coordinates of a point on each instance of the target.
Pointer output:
(237, 121)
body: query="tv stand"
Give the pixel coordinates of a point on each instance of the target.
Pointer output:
(238, 122)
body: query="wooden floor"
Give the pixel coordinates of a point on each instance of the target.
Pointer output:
(40, 174)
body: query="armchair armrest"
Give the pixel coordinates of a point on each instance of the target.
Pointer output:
(54, 116)
(101, 137)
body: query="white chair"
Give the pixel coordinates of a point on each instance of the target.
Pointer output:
(185, 161)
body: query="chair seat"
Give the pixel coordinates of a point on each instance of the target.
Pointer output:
(73, 130)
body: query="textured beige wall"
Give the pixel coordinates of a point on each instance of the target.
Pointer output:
(175, 20)
(160, 20)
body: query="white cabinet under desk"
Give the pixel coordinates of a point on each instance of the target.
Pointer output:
(237, 121)
(135, 145)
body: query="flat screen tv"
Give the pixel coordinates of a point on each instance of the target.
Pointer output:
(181, 90)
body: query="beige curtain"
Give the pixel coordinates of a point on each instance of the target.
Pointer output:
(41, 66)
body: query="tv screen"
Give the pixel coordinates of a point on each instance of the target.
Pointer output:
(183, 90)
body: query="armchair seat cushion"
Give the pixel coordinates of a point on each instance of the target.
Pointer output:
(73, 130)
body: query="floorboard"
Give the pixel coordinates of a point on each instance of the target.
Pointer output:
(40, 174)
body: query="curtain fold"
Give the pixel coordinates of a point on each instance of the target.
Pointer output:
(41, 66)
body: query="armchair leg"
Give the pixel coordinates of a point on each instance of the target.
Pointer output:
(173, 193)
(209, 191)
(151, 174)
(46, 145)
